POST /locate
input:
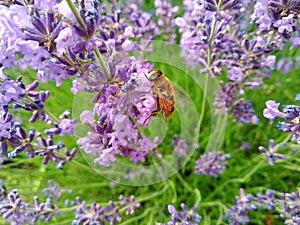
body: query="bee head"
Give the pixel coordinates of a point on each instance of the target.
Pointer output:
(155, 74)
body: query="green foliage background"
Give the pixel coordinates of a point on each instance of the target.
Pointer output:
(246, 169)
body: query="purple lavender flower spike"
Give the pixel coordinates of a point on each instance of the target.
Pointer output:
(165, 11)
(13, 209)
(18, 138)
(188, 217)
(285, 65)
(264, 23)
(96, 214)
(238, 214)
(13, 92)
(268, 199)
(291, 114)
(270, 153)
(271, 112)
(211, 164)
(67, 126)
(115, 132)
(3, 191)
(180, 146)
(54, 191)
(287, 204)
(244, 112)
(131, 202)
(245, 145)
(291, 207)
(295, 42)
(285, 24)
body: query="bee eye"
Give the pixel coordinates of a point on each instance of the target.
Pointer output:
(158, 73)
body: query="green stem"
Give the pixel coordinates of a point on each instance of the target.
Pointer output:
(68, 59)
(222, 209)
(151, 218)
(68, 209)
(282, 143)
(82, 166)
(78, 164)
(85, 186)
(235, 180)
(25, 2)
(198, 196)
(130, 221)
(54, 118)
(211, 36)
(142, 199)
(292, 167)
(203, 102)
(182, 181)
(220, 4)
(271, 36)
(209, 55)
(151, 196)
(76, 14)
(173, 188)
(287, 138)
(209, 204)
(102, 63)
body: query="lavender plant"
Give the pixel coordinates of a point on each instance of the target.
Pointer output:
(104, 52)
(214, 35)
(288, 204)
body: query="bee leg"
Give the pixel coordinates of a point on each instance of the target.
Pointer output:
(154, 112)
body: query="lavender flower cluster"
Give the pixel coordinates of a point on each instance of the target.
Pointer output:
(16, 211)
(290, 113)
(215, 35)
(211, 164)
(271, 152)
(287, 204)
(186, 216)
(87, 42)
(15, 96)
(97, 214)
(55, 191)
(165, 11)
(90, 43)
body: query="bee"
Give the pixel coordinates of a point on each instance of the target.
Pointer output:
(163, 91)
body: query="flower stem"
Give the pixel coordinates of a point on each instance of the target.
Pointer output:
(271, 36)
(209, 55)
(203, 102)
(102, 63)
(130, 221)
(236, 180)
(198, 196)
(53, 117)
(183, 182)
(76, 14)
(82, 166)
(151, 196)
(77, 164)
